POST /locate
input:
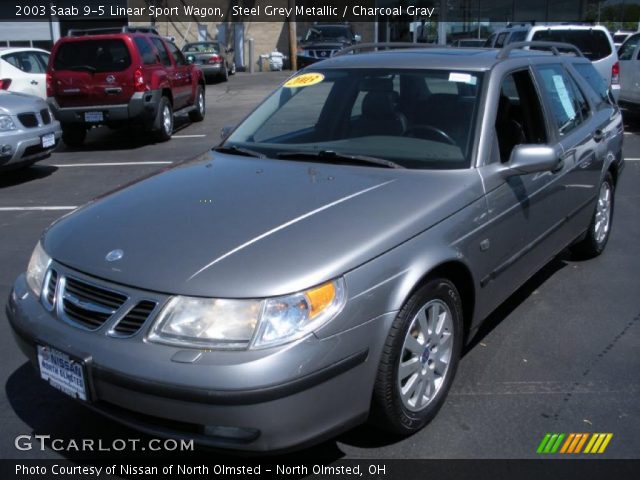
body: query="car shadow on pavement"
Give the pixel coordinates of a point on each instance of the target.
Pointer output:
(48, 412)
(24, 175)
(122, 138)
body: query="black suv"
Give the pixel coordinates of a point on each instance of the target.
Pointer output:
(324, 41)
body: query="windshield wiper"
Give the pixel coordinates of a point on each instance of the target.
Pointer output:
(339, 157)
(233, 150)
(88, 68)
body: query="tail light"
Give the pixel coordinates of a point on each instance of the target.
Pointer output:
(615, 74)
(215, 59)
(50, 90)
(4, 83)
(139, 84)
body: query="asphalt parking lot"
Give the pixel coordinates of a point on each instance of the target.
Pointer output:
(561, 355)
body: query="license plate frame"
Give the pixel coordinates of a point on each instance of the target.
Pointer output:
(93, 117)
(48, 140)
(63, 372)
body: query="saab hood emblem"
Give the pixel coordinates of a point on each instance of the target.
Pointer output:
(110, 79)
(114, 255)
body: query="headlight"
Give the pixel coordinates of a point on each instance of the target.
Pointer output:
(37, 268)
(222, 323)
(6, 123)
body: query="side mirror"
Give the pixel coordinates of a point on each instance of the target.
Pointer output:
(226, 131)
(532, 158)
(191, 59)
(357, 38)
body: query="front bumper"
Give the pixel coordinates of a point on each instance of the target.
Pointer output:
(25, 145)
(143, 106)
(275, 399)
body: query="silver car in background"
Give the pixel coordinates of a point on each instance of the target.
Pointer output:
(328, 261)
(28, 130)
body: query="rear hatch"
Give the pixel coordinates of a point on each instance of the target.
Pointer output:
(88, 72)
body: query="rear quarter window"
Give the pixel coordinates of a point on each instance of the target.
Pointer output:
(594, 44)
(105, 55)
(593, 78)
(147, 54)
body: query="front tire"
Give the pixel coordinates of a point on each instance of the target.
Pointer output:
(597, 235)
(419, 359)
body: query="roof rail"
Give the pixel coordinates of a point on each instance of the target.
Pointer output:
(75, 32)
(385, 45)
(553, 46)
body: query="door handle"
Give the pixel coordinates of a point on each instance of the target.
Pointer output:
(598, 135)
(33, 82)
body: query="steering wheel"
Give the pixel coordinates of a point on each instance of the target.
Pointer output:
(427, 129)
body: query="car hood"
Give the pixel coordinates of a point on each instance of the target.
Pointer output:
(233, 227)
(13, 103)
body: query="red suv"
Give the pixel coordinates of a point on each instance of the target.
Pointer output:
(121, 76)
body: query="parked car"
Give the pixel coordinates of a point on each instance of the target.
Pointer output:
(358, 227)
(24, 70)
(121, 76)
(628, 54)
(594, 41)
(469, 42)
(620, 36)
(28, 131)
(322, 41)
(214, 59)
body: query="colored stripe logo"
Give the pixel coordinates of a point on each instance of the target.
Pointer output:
(574, 443)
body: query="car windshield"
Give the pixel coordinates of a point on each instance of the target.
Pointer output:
(421, 119)
(323, 33)
(207, 47)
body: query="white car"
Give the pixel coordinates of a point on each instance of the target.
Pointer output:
(630, 73)
(594, 41)
(24, 70)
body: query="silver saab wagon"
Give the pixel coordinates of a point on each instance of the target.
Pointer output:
(331, 257)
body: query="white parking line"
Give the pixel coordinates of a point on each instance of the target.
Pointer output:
(188, 136)
(110, 164)
(26, 209)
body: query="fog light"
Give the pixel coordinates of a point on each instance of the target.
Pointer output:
(6, 150)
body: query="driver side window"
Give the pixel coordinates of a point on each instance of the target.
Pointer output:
(519, 118)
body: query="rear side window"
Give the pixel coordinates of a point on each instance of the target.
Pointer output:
(145, 50)
(518, 36)
(627, 48)
(594, 44)
(93, 55)
(500, 40)
(29, 62)
(593, 78)
(568, 105)
(164, 56)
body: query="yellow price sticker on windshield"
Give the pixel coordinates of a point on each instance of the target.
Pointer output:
(304, 80)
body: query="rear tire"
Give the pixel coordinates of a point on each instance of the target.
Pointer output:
(419, 359)
(74, 135)
(163, 125)
(225, 74)
(597, 235)
(197, 115)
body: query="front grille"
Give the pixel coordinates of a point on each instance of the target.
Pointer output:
(50, 293)
(35, 149)
(136, 317)
(46, 117)
(89, 305)
(29, 120)
(323, 53)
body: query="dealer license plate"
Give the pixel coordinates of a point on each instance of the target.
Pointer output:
(62, 372)
(48, 140)
(93, 117)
